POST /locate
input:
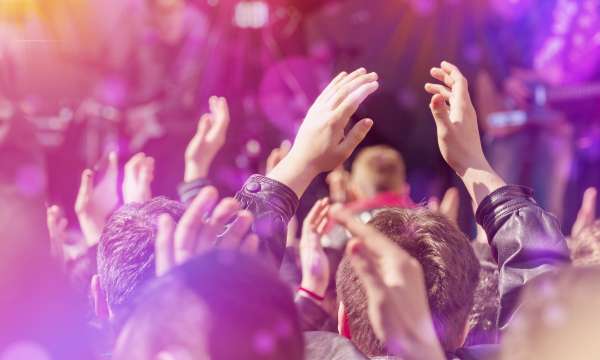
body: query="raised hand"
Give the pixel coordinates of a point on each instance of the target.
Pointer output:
(57, 229)
(315, 265)
(340, 188)
(449, 205)
(395, 286)
(95, 201)
(202, 227)
(457, 131)
(209, 139)
(587, 213)
(321, 144)
(139, 173)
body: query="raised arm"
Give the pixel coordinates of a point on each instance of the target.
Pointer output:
(526, 240)
(320, 145)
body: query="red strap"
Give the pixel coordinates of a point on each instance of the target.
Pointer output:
(311, 294)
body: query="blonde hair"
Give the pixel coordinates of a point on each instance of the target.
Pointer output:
(378, 169)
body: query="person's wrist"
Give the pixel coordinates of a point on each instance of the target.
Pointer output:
(316, 293)
(294, 172)
(195, 170)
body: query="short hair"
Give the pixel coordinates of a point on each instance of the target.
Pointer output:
(126, 249)
(483, 319)
(450, 268)
(558, 317)
(585, 246)
(221, 305)
(378, 169)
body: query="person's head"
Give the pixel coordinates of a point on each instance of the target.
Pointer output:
(378, 169)
(585, 246)
(450, 268)
(126, 254)
(558, 317)
(168, 18)
(483, 317)
(221, 305)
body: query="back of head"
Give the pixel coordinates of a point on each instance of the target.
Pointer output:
(483, 317)
(126, 249)
(222, 305)
(450, 268)
(585, 246)
(558, 317)
(378, 169)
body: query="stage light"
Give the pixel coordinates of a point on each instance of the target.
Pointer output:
(251, 14)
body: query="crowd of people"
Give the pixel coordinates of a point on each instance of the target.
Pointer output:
(371, 274)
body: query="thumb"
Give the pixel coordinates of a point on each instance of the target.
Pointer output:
(204, 125)
(356, 135)
(440, 110)
(113, 162)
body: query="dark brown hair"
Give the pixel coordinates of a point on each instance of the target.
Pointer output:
(450, 268)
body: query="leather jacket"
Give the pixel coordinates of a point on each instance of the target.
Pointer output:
(272, 203)
(526, 242)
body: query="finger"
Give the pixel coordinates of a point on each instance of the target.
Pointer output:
(440, 110)
(220, 114)
(349, 106)
(347, 79)
(250, 244)
(164, 246)
(113, 162)
(326, 93)
(440, 75)
(273, 159)
(365, 265)
(323, 225)
(438, 89)
(356, 135)
(285, 147)
(311, 219)
(433, 204)
(587, 212)
(345, 218)
(192, 221)
(132, 167)
(62, 225)
(349, 88)
(456, 75)
(223, 213)
(87, 183)
(450, 204)
(588, 205)
(147, 170)
(237, 230)
(324, 210)
(204, 125)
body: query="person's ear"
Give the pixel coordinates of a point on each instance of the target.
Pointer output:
(343, 323)
(340, 317)
(101, 307)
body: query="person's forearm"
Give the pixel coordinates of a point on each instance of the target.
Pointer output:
(90, 228)
(481, 181)
(294, 174)
(195, 170)
(526, 242)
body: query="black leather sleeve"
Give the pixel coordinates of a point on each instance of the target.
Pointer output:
(526, 242)
(273, 204)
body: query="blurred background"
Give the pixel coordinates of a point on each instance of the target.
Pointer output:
(79, 78)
